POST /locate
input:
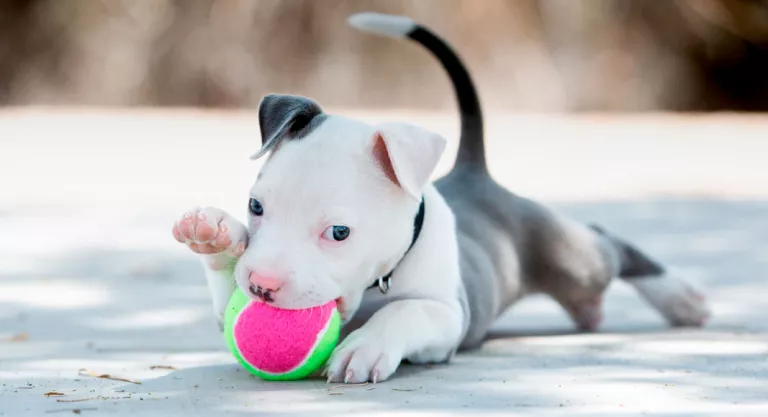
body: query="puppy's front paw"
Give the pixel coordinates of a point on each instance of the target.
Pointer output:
(361, 357)
(211, 231)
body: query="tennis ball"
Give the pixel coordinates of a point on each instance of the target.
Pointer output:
(277, 344)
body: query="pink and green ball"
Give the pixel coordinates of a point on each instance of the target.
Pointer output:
(277, 344)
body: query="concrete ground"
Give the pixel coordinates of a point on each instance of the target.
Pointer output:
(91, 281)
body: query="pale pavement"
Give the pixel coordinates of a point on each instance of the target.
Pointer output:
(91, 278)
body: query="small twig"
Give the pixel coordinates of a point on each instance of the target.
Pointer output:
(53, 394)
(79, 400)
(347, 386)
(86, 372)
(168, 367)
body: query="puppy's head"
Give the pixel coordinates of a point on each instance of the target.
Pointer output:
(333, 206)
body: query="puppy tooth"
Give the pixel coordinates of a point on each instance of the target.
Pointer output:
(201, 216)
(349, 376)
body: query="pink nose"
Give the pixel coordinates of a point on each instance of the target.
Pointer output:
(264, 282)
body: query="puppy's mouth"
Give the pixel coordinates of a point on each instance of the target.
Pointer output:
(343, 312)
(267, 296)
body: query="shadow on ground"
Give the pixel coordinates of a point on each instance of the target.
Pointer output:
(108, 307)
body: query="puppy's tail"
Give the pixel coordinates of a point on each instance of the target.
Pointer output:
(471, 152)
(632, 262)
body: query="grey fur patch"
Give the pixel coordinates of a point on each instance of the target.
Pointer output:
(286, 117)
(510, 246)
(633, 263)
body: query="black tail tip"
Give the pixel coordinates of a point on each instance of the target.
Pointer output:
(633, 262)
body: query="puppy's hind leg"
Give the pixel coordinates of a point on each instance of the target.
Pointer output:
(679, 300)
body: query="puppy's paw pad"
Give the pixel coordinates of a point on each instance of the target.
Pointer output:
(362, 359)
(211, 231)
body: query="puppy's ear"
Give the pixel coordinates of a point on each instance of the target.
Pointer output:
(407, 154)
(286, 117)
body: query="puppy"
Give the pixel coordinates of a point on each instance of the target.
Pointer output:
(344, 210)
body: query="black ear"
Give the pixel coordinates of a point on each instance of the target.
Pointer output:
(286, 117)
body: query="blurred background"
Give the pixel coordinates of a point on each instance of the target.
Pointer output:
(117, 116)
(526, 55)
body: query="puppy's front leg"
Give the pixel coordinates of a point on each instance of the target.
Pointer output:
(220, 240)
(422, 331)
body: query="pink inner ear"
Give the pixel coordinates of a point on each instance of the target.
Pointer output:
(381, 154)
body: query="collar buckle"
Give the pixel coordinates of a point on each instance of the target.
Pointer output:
(385, 283)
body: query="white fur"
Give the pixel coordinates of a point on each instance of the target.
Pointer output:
(420, 319)
(383, 24)
(679, 299)
(221, 285)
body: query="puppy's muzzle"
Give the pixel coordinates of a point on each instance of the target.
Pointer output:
(264, 287)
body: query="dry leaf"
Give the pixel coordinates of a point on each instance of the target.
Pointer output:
(76, 411)
(79, 400)
(53, 394)
(106, 376)
(20, 337)
(168, 367)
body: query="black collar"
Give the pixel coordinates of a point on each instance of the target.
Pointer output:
(383, 282)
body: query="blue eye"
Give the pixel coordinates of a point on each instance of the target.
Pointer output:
(337, 233)
(255, 207)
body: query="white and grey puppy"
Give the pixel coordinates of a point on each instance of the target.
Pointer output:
(344, 210)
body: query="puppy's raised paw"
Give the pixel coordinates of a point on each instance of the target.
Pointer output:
(211, 231)
(363, 357)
